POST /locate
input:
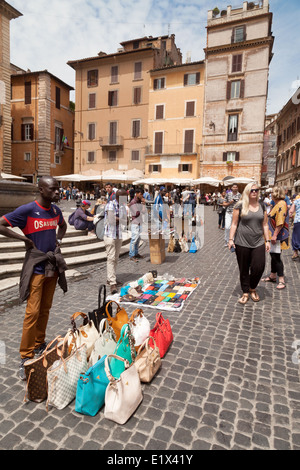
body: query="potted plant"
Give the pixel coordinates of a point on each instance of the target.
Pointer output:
(229, 162)
(216, 11)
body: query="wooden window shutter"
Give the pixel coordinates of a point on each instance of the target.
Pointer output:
(61, 135)
(242, 89)
(150, 168)
(113, 133)
(228, 90)
(138, 70)
(190, 108)
(180, 168)
(92, 100)
(197, 78)
(185, 79)
(114, 73)
(27, 92)
(237, 156)
(159, 111)
(224, 156)
(190, 167)
(159, 168)
(188, 141)
(110, 98)
(158, 142)
(137, 95)
(31, 131)
(155, 84)
(23, 132)
(57, 97)
(136, 128)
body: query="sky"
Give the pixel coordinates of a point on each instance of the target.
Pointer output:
(52, 32)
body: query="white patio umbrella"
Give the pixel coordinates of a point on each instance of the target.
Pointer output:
(208, 180)
(73, 177)
(7, 176)
(238, 181)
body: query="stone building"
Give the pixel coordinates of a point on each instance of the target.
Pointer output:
(7, 13)
(112, 103)
(238, 54)
(42, 125)
(268, 171)
(288, 151)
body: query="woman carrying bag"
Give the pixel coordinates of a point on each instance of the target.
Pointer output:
(279, 235)
(248, 233)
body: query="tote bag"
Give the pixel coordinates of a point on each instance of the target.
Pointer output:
(140, 327)
(148, 361)
(87, 334)
(117, 321)
(123, 395)
(105, 344)
(124, 349)
(91, 388)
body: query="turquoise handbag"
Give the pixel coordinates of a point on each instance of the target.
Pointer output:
(91, 388)
(125, 349)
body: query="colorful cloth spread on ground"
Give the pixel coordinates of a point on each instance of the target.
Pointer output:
(163, 294)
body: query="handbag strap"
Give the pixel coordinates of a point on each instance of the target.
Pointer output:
(101, 288)
(145, 344)
(45, 362)
(110, 377)
(106, 308)
(138, 312)
(76, 315)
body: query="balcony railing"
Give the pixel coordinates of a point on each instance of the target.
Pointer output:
(175, 149)
(111, 141)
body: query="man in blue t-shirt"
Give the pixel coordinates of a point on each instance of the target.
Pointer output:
(38, 221)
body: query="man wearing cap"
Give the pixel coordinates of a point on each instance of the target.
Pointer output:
(38, 221)
(83, 219)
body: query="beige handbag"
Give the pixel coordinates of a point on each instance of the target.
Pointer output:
(87, 334)
(148, 361)
(123, 395)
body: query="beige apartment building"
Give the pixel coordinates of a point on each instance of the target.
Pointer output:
(7, 13)
(42, 126)
(238, 54)
(288, 146)
(176, 98)
(112, 104)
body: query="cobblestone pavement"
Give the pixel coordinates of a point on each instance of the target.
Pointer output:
(227, 382)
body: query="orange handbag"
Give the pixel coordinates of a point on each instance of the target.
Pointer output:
(117, 321)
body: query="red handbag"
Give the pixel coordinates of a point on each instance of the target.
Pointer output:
(162, 334)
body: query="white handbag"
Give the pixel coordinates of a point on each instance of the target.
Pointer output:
(148, 361)
(139, 327)
(123, 395)
(105, 344)
(63, 375)
(87, 334)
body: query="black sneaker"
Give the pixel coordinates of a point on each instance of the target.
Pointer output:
(22, 374)
(38, 351)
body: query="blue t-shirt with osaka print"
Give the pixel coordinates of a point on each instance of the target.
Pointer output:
(39, 225)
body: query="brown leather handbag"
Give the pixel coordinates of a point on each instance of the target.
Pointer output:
(36, 371)
(117, 321)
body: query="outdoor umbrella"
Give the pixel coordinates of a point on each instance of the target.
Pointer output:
(7, 176)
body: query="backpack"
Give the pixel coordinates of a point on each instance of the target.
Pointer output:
(71, 218)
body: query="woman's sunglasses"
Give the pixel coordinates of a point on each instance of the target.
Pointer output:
(254, 190)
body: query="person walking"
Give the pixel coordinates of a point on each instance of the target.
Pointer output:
(115, 217)
(136, 209)
(249, 236)
(279, 235)
(221, 210)
(231, 198)
(295, 209)
(38, 221)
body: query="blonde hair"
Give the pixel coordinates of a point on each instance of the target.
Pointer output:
(244, 201)
(278, 192)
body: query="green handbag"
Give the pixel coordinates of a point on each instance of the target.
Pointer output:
(125, 349)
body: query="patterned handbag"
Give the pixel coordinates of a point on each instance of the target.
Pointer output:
(63, 375)
(36, 371)
(105, 344)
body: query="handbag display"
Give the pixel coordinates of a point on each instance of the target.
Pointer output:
(148, 361)
(162, 334)
(123, 395)
(105, 344)
(87, 334)
(140, 327)
(99, 313)
(91, 388)
(124, 349)
(36, 371)
(117, 321)
(63, 375)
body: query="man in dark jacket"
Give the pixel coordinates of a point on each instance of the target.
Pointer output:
(38, 221)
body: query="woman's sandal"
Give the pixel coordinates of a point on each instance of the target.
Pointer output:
(244, 299)
(269, 279)
(280, 284)
(254, 296)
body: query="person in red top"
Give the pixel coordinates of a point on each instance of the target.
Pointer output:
(38, 221)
